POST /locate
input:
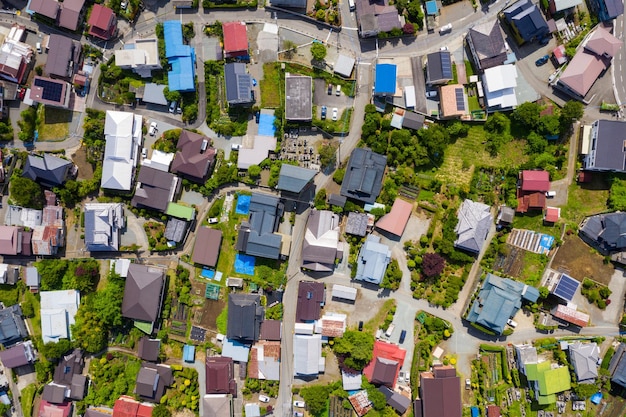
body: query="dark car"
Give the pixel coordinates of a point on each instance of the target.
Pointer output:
(324, 112)
(330, 89)
(544, 41)
(257, 116)
(360, 325)
(402, 336)
(541, 61)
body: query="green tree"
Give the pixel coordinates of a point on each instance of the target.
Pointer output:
(338, 175)
(549, 125)
(328, 155)
(161, 411)
(88, 331)
(535, 143)
(28, 310)
(318, 51)
(51, 272)
(320, 199)
(108, 301)
(355, 348)
(393, 276)
(527, 115)
(254, 171)
(52, 351)
(544, 292)
(572, 110)
(171, 95)
(316, 398)
(190, 112)
(26, 192)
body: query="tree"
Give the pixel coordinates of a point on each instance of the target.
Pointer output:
(320, 199)
(393, 276)
(26, 192)
(527, 115)
(52, 350)
(316, 398)
(320, 15)
(51, 272)
(190, 112)
(338, 175)
(28, 310)
(355, 349)
(161, 411)
(328, 155)
(289, 47)
(408, 29)
(549, 125)
(318, 51)
(254, 171)
(171, 95)
(88, 331)
(432, 265)
(108, 301)
(544, 292)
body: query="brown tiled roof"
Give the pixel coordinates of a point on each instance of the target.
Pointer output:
(441, 392)
(190, 161)
(206, 250)
(220, 376)
(271, 330)
(332, 328)
(310, 299)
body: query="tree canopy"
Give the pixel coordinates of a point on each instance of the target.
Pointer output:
(318, 51)
(26, 192)
(355, 348)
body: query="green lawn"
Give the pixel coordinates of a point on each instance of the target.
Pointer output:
(271, 86)
(9, 294)
(586, 199)
(27, 398)
(35, 322)
(534, 221)
(534, 265)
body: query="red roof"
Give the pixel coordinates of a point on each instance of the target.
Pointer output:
(534, 201)
(385, 350)
(493, 411)
(395, 221)
(101, 22)
(235, 38)
(585, 176)
(126, 406)
(54, 410)
(535, 181)
(552, 214)
(571, 316)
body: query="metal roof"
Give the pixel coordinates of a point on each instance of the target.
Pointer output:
(238, 83)
(364, 174)
(566, 287)
(293, 178)
(385, 82)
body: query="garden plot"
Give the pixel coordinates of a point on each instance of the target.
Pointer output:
(530, 240)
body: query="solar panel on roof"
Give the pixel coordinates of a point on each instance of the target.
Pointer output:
(460, 99)
(51, 90)
(446, 65)
(566, 288)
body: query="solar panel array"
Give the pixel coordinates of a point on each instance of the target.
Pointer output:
(566, 288)
(52, 91)
(460, 99)
(446, 65)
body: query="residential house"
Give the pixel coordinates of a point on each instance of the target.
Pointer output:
(64, 55)
(337, 200)
(607, 10)
(245, 315)
(396, 220)
(54, 393)
(220, 376)
(395, 400)
(102, 22)
(505, 216)
(311, 299)
(155, 189)
(357, 223)
(385, 79)
(158, 159)
(307, 355)
(262, 147)
(47, 409)
(48, 170)
(58, 309)
(12, 326)
(141, 56)
(15, 55)
(499, 85)
(331, 325)
(123, 135)
(103, 225)
(486, 45)
(360, 402)
(298, 97)
(126, 406)
(585, 358)
(265, 361)
(181, 57)
(364, 175)
(11, 240)
(238, 351)
(68, 374)
(271, 330)
(321, 241)
(206, 250)
(19, 355)
(453, 101)
(351, 381)
(439, 68)
(606, 232)
(547, 380)
(143, 295)
(531, 190)
(372, 261)
(617, 366)
(238, 84)
(153, 94)
(561, 285)
(374, 17)
(66, 14)
(9, 274)
(194, 156)
(258, 237)
(33, 279)
(526, 21)
(50, 92)
(570, 315)
(525, 354)
(176, 230)
(342, 292)
(565, 6)
(23, 216)
(152, 380)
(387, 360)
(344, 65)
(589, 63)
(49, 236)
(498, 300)
(439, 393)
(235, 40)
(551, 215)
(217, 405)
(606, 147)
(296, 182)
(475, 220)
(149, 349)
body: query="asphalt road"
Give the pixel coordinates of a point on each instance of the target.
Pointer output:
(619, 63)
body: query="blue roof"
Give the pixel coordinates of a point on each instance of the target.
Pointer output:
(189, 353)
(181, 57)
(475, 412)
(385, 79)
(596, 398)
(566, 288)
(431, 7)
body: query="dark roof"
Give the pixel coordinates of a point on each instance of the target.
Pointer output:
(48, 8)
(294, 178)
(607, 231)
(155, 189)
(310, 300)
(610, 154)
(440, 392)
(245, 315)
(527, 18)
(207, 247)
(238, 83)
(95, 412)
(220, 377)
(175, 230)
(148, 349)
(271, 330)
(46, 90)
(142, 293)
(78, 387)
(68, 366)
(298, 96)
(364, 175)
(613, 8)
(14, 357)
(61, 56)
(257, 237)
(53, 393)
(385, 371)
(439, 68)
(337, 200)
(488, 43)
(48, 169)
(413, 120)
(148, 375)
(357, 224)
(12, 326)
(395, 400)
(617, 366)
(191, 161)
(70, 12)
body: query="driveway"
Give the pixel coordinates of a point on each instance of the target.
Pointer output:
(134, 232)
(322, 98)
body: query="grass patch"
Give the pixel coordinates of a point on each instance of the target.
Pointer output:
(347, 87)
(222, 320)
(376, 322)
(271, 86)
(534, 221)
(9, 294)
(473, 103)
(55, 124)
(35, 322)
(27, 398)
(582, 261)
(586, 199)
(534, 264)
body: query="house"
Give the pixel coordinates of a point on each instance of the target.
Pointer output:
(66, 14)
(531, 190)
(372, 261)
(63, 55)
(236, 350)
(206, 250)
(245, 315)
(570, 315)
(606, 148)
(143, 294)
(547, 380)
(344, 65)
(194, 156)
(298, 96)
(9, 274)
(217, 405)
(387, 360)
(439, 68)
(238, 84)
(498, 300)
(486, 45)
(126, 406)
(566, 6)
(307, 355)
(562, 285)
(103, 225)
(337, 200)
(158, 159)
(440, 393)
(12, 326)
(48, 170)
(364, 175)
(148, 349)
(123, 135)
(606, 232)
(271, 330)
(152, 381)
(23, 216)
(475, 220)
(360, 402)
(176, 230)
(351, 381)
(33, 279)
(584, 357)
(295, 180)
(344, 293)
(552, 215)
(155, 189)
(395, 400)
(311, 299)
(11, 238)
(331, 325)
(453, 101)
(19, 355)
(357, 223)
(396, 220)
(47, 409)
(152, 93)
(68, 375)
(265, 361)
(220, 376)
(321, 241)
(412, 120)
(142, 57)
(607, 10)
(525, 354)
(617, 366)
(505, 216)
(235, 40)
(257, 236)
(102, 22)
(589, 63)
(15, 55)
(374, 17)
(526, 21)
(58, 309)
(385, 81)
(499, 84)
(50, 92)
(181, 58)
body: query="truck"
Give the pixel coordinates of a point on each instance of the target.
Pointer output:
(390, 329)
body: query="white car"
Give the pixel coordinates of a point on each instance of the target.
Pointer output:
(550, 194)
(335, 113)
(443, 48)
(144, 153)
(445, 28)
(153, 128)
(468, 383)
(299, 404)
(264, 398)
(235, 146)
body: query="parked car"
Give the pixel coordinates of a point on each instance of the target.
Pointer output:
(235, 146)
(511, 323)
(264, 398)
(330, 89)
(542, 61)
(432, 93)
(468, 383)
(445, 28)
(299, 404)
(214, 220)
(144, 152)
(324, 112)
(443, 48)
(390, 329)
(401, 376)
(298, 414)
(360, 325)
(338, 90)
(172, 107)
(402, 336)
(335, 113)
(407, 378)
(153, 128)
(550, 194)
(38, 46)
(257, 116)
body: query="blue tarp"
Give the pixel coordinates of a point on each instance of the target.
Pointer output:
(243, 204)
(189, 353)
(431, 8)
(208, 273)
(266, 125)
(385, 79)
(596, 398)
(546, 243)
(181, 57)
(475, 412)
(244, 264)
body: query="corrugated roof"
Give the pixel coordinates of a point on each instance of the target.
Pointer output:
(385, 82)
(293, 178)
(535, 180)
(298, 97)
(235, 38)
(344, 65)
(395, 221)
(440, 394)
(206, 250)
(571, 315)
(372, 260)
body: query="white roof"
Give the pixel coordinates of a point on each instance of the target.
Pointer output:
(120, 266)
(409, 97)
(130, 57)
(304, 328)
(262, 146)
(351, 382)
(58, 309)
(499, 84)
(307, 354)
(122, 131)
(566, 4)
(341, 291)
(159, 160)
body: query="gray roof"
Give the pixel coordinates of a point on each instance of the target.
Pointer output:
(14, 357)
(155, 189)
(344, 65)
(617, 366)
(257, 237)
(49, 170)
(217, 405)
(298, 96)
(357, 224)
(506, 214)
(439, 68)
(78, 387)
(337, 200)
(584, 358)
(245, 315)
(412, 120)
(175, 230)
(301, 4)
(395, 400)
(293, 178)
(364, 175)
(12, 326)
(372, 260)
(62, 52)
(142, 293)
(607, 231)
(69, 365)
(153, 93)
(152, 380)
(149, 349)
(488, 43)
(609, 153)
(238, 83)
(474, 222)
(32, 276)
(319, 249)
(527, 18)
(54, 393)
(103, 223)
(95, 412)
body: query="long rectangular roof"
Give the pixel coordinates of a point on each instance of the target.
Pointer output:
(385, 82)
(235, 37)
(298, 97)
(293, 178)
(238, 83)
(207, 247)
(364, 175)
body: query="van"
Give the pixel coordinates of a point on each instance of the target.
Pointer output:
(550, 194)
(511, 323)
(38, 46)
(172, 107)
(445, 28)
(338, 90)
(213, 220)
(390, 329)
(352, 5)
(402, 337)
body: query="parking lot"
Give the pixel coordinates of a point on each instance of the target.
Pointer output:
(322, 98)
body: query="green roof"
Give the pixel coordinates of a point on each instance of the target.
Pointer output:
(546, 399)
(549, 381)
(144, 326)
(534, 369)
(180, 211)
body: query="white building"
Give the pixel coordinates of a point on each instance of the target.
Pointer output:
(58, 309)
(123, 133)
(142, 56)
(499, 84)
